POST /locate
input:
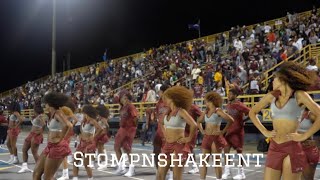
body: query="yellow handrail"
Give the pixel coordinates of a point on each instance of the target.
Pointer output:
(304, 56)
(249, 100)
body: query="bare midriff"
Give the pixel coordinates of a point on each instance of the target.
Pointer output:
(36, 130)
(86, 136)
(211, 128)
(173, 135)
(283, 127)
(55, 136)
(12, 124)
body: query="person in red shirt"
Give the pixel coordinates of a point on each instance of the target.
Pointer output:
(160, 111)
(3, 128)
(235, 133)
(126, 133)
(198, 91)
(195, 113)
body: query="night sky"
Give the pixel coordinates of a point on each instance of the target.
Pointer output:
(86, 27)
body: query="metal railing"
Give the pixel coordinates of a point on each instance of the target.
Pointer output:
(311, 50)
(248, 100)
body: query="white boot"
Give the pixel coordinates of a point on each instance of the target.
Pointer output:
(11, 159)
(120, 169)
(169, 175)
(240, 174)
(24, 168)
(226, 172)
(15, 160)
(194, 170)
(130, 172)
(75, 178)
(65, 175)
(90, 178)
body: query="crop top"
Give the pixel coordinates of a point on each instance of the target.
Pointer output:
(13, 118)
(88, 128)
(36, 122)
(175, 122)
(213, 119)
(290, 111)
(55, 126)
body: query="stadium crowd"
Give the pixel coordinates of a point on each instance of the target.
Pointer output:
(233, 59)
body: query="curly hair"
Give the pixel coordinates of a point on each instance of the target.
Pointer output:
(55, 99)
(103, 111)
(38, 109)
(296, 76)
(90, 111)
(180, 96)
(214, 98)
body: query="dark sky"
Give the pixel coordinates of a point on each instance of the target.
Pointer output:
(86, 27)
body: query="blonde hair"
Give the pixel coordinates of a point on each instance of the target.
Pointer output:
(66, 110)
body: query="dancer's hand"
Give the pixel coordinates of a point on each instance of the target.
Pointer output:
(183, 140)
(296, 137)
(271, 134)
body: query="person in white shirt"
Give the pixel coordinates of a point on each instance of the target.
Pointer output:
(267, 29)
(195, 72)
(312, 65)
(298, 44)
(238, 45)
(151, 95)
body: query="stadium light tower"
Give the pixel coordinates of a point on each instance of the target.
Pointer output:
(53, 58)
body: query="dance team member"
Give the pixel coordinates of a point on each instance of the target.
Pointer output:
(309, 146)
(68, 110)
(126, 133)
(235, 133)
(57, 148)
(34, 139)
(285, 157)
(179, 100)
(213, 141)
(3, 128)
(15, 120)
(160, 111)
(102, 138)
(87, 144)
(195, 113)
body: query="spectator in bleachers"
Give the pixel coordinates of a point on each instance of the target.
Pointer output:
(312, 66)
(195, 72)
(262, 46)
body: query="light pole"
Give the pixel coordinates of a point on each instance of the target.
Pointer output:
(53, 58)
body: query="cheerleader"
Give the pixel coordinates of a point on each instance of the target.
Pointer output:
(34, 139)
(102, 138)
(15, 120)
(213, 141)
(57, 148)
(89, 129)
